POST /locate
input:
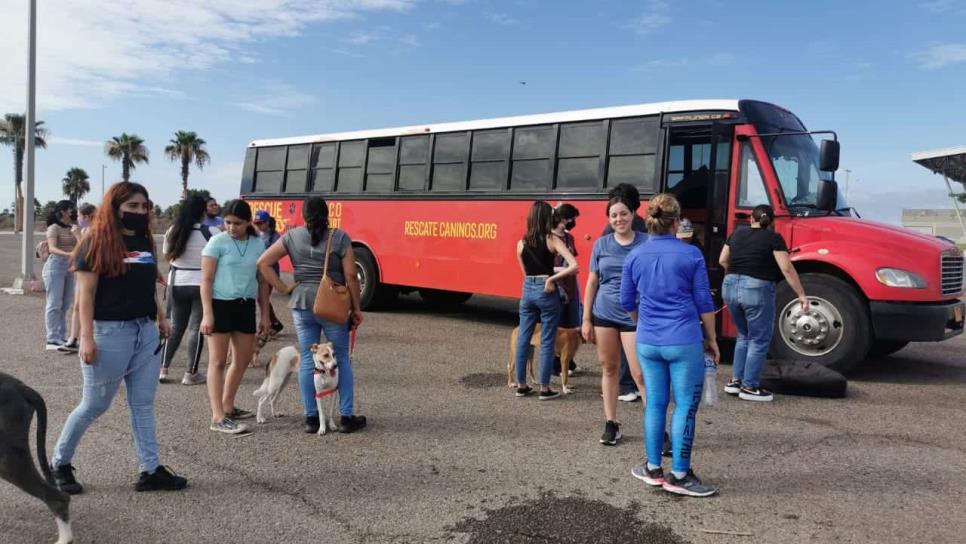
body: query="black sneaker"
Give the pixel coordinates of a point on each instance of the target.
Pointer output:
(238, 413)
(612, 433)
(755, 394)
(666, 447)
(733, 387)
(160, 480)
(652, 477)
(351, 424)
(65, 481)
(690, 485)
(548, 394)
(524, 391)
(311, 424)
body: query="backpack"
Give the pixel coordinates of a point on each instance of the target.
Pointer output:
(42, 250)
(205, 231)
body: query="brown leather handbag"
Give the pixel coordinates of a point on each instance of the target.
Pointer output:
(332, 302)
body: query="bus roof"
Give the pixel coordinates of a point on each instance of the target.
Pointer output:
(521, 120)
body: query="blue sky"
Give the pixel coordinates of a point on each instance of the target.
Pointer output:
(888, 76)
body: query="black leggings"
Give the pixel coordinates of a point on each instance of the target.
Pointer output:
(186, 314)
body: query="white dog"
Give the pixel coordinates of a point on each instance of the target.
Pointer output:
(326, 384)
(279, 371)
(277, 374)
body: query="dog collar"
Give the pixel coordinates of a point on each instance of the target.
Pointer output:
(324, 394)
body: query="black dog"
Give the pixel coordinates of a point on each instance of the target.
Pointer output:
(17, 405)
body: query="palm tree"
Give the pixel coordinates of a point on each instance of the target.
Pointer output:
(187, 147)
(76, 184)
(129, 149)
(12, 133)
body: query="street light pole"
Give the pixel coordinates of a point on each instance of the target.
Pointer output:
(847, 172)
(26, 254)
(103, 166)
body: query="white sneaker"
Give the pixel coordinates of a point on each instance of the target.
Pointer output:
(163, 378)
(51, 346)
(629, 397)
(193, 379)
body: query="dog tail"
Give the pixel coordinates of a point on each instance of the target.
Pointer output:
(37, 402)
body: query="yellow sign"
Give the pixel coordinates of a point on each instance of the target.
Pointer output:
(450, 229)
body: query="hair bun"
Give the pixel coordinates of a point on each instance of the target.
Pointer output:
(655, 212)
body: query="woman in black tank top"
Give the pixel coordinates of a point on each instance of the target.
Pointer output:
(540, 299)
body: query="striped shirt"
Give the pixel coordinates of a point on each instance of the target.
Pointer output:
(62, 237)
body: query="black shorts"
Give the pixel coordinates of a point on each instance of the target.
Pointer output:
(608, 324)
(234, 315)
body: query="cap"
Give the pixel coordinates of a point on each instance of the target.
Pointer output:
(260, 216)
(685, 229)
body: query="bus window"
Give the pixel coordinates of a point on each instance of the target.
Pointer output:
(489, 159)
(350, 166)
(413, 159)
(323, 167)
(578, 155)
(380, 165)
(270, 169)
(532, 149)
(449, 161)
(633, 153)
(751, 188)
(296, 168)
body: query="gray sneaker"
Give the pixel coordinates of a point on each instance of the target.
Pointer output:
(163, 376)
(650, 477)
(228, 426)
(193, 379)
(690, 485)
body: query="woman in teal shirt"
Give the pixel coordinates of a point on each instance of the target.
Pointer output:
(229, 287)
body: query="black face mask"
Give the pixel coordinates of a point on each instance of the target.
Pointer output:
(569, 225)
(138, 222)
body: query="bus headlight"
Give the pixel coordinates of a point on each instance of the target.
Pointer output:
(894, 277)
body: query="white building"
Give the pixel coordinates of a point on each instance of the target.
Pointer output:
(936, 222)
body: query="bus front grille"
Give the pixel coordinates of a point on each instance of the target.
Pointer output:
(951, 274)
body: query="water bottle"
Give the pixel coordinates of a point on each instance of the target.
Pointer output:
(710, 395)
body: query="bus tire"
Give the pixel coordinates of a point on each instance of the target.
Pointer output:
(439, 298)
(834, 333)
(372, 293)
(883, 348)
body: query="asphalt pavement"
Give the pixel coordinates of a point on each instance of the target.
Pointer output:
(450, 455)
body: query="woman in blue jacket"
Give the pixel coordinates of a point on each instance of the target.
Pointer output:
(664, 285)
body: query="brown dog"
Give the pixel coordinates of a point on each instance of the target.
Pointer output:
(566, 346)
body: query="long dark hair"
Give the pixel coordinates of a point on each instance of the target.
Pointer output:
(763, 214)
(539, 224)
(191, 212)
(315, 212)
(106, 251)
(60, 207)
(240, 209)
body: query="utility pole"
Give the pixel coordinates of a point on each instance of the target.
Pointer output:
(847, 172)
(27, 251)
(103, 166)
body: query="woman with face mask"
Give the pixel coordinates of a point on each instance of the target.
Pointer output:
(58, 279)
(564, 221)
(122, 324)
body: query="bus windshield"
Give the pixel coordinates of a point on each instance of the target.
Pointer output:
(795, 159)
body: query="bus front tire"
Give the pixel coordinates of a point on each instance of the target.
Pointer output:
(834, 332)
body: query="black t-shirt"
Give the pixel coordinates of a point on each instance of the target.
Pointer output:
(128, 296)
(637, 224)
(752, 253)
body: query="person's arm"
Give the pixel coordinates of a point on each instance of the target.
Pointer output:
(208, 267)
(710, 337)
(164, 326)
(561, 249)
(725, 257)
(590, 292)
(629, 292)
(523, 269)
(86, 289)
(266, 264)
(791, 276)
(701, 294)
(352, 282)
(264, 301)
(166, 243)
(52, 242)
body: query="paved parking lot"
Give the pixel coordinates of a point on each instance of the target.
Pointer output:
(452, 456)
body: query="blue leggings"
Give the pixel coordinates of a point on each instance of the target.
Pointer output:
(679, 369)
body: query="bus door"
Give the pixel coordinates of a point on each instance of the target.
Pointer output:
(697, 168)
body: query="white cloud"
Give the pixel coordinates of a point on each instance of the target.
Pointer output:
(657, 64)
(362, 38)
(939, 6)
(653, 19)
(941, 55)
(722, 59)
(90, 52)
(54, 140)
(275, 99)
(411, 40)
(501, 19)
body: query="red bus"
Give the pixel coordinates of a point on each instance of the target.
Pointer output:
(437, 208)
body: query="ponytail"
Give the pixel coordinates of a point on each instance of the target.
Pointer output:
(662, 211)
(763, 214)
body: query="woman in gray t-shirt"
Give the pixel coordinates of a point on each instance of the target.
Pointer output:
(305, 246)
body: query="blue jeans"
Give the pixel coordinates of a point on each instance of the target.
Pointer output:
(59, 283)
(126, 351)
(751, 302)
(536, 305)
(679, 369)
(309, 329)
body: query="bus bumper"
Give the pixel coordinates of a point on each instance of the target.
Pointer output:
(917, 322)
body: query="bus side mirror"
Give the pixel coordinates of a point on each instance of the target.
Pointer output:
(829, 157)
(827, 196)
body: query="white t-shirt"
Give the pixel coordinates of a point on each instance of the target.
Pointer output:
(188, 265)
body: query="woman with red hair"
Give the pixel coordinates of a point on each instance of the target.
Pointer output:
(122, 324)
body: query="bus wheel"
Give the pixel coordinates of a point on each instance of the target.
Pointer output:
(372, 293)
(444, 299)
(882, 348)
(834, 332)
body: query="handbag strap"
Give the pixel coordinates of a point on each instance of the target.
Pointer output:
(328, 251)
